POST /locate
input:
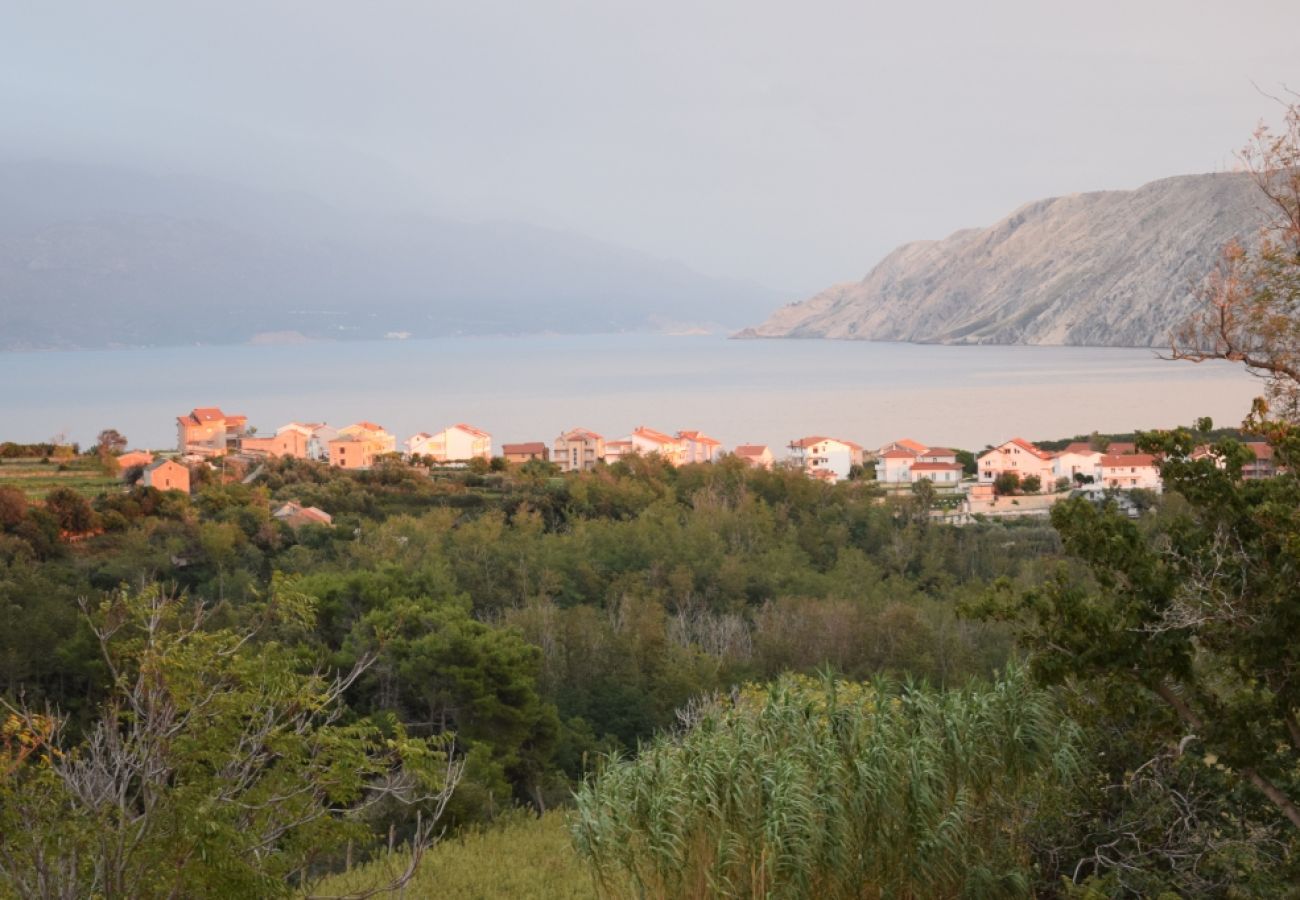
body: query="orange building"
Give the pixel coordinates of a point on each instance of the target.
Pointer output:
(167, 475)
(522, 453)
(288, 441)
(207, 431)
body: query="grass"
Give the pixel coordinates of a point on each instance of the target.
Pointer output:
(36, 478)
(521, 857)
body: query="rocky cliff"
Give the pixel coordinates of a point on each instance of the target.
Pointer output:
(1112, 268)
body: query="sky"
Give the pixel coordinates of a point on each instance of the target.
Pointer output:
(791, 145)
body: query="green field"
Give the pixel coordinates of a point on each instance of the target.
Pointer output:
(36, 478)
(525, 858)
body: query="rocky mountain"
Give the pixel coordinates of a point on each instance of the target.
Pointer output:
(102, 257)
(1112, 268)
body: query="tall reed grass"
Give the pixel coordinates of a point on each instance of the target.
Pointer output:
(822, 789)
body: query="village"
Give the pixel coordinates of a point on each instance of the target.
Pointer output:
(1014, 478)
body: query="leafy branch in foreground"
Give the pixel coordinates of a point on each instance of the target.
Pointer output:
(217, 766)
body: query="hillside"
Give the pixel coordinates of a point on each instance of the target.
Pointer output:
(101, 257)
(1111, 268)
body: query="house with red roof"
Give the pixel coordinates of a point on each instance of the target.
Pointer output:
(207, 431)
(818, 455)
(166, 475)
(1126, 471)
(1020, 457)
(578, 450)
(907, 462)
(616, 450)
(756, 455)
(357, 445)
(646, 441)
(1078, 462)
(295, 515)
(697, 447)
(457, 443)
(522, 453)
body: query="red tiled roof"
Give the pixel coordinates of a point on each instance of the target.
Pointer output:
(910, 444)
(938, 451)
(470, 429)
(519, 449)
(1127, 460)
(698, 438)
(809, 441)
(1260, 449)
(1030, 448)
(751, 450)
(581, 434)
(898, 454)
(207, 413)
(650, 434)
(1080, 447)
(368, 426)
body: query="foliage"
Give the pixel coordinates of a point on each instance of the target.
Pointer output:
(1007, 483)
(214, 769)
(1250, 301)
(1179, 622)
(831, 789)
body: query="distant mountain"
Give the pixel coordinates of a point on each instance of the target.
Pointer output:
(101, 257)
(1113, 268)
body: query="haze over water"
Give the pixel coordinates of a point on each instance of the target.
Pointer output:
(531, 388)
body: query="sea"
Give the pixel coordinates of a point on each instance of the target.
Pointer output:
(533, 388)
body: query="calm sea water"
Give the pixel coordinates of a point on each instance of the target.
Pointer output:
(532, 388)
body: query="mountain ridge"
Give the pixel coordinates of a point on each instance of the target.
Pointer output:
(1099, 268)
(96, 256)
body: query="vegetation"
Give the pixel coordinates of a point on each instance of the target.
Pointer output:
(835, 790)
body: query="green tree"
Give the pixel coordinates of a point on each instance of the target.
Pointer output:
(71, 510)
(1006, 484)
(1031, 484)
(1184, 622)
(217, 768)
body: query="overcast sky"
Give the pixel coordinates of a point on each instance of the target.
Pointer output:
(792, 144)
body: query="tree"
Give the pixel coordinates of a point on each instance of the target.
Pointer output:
(110, 442)
(1006, 483)
(1250, 310)
(1031, 484)
(71, 510)
(1183, 625)
(217, 768)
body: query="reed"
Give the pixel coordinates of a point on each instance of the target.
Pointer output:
(818, 788)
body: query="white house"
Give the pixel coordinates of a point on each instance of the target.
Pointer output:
(1019, 456)
(1130, 470)
(698, 448)
(646, 441)
(1078, 461)
(895, 466)
(823, 457)
(458, 443)
(941, 474)
(907, 462)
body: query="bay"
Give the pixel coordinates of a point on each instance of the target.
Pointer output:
(532, 388)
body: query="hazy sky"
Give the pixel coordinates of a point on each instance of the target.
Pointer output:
(788, 143)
